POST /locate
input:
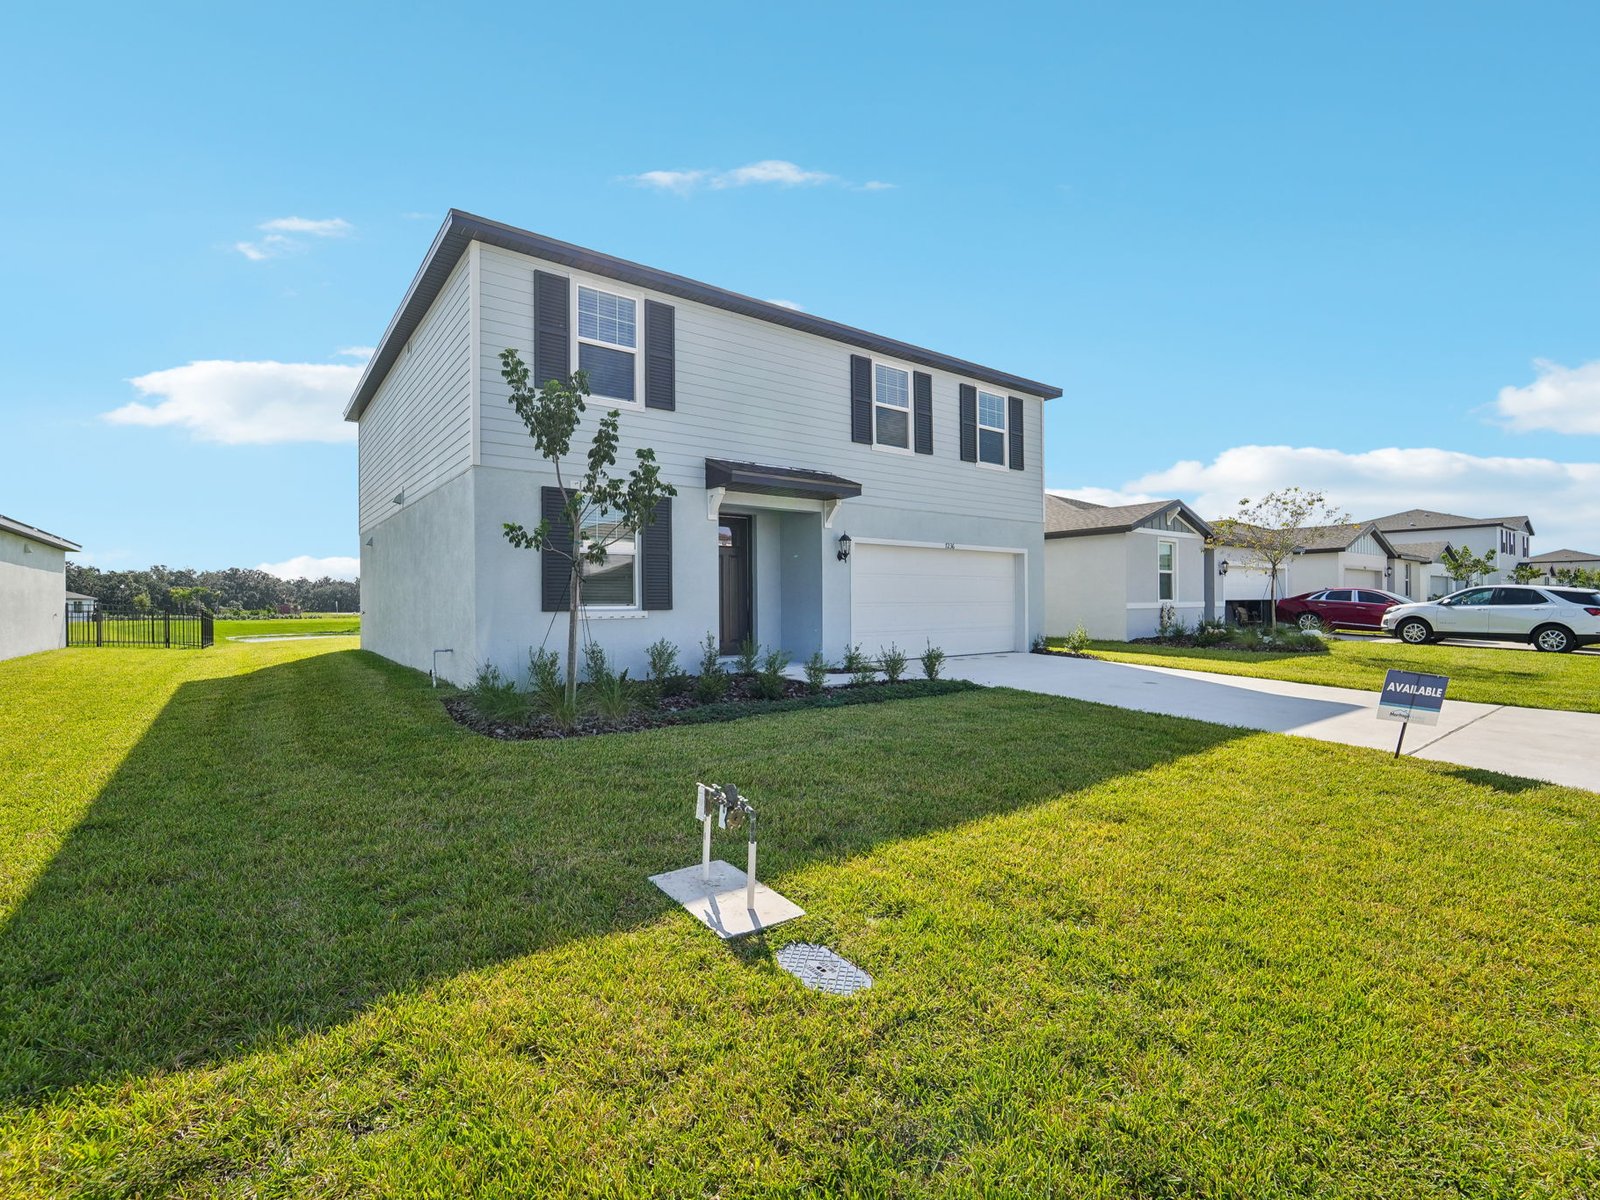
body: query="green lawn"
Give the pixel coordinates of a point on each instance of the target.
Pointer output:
(322, 623)
(1481, 673)
(272, 925)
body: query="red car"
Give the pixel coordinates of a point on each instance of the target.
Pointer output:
(1349, 608)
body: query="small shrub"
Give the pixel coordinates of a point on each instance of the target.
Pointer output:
(496, 697)
(1170, 626)
(612, 697)
(892, 662)
(563, 713)
(1077, 641)
(712, 683)
(816, 673)
(596, 670)
(1040, 646)
(866, 672)
(748, 655)
(1212, 633)
(771, 682)
(854, 661)
(664, 670)
(932, 660)
(544, 680)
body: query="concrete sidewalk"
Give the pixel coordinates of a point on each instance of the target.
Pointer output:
(1537, 743)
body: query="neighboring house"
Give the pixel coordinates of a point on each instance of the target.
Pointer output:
(782, 432)
(77, 602)
(1113, 569)
(33, 589)
(1419, 570)
(1328, 556)
(1554, 561)
(1508, 537)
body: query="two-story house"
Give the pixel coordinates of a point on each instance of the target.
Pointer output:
(834, 486)
(1508, 537)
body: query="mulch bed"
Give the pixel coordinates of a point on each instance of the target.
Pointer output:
(743, 700)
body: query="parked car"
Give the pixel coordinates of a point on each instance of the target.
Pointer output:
(1556, 619)
(1346, 608)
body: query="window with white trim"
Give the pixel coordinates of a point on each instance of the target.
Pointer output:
(891, 406)
(608, 343)
(615, 582)
(991, 428)
(1166, 570)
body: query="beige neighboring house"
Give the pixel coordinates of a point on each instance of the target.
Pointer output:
(1114, 568)
(33, 589)
(1554, 561)
(1508, 537)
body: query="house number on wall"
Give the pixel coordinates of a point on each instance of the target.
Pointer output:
(949, 545)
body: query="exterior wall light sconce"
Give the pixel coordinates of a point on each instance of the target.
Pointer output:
(1222, 567)
(844, 547)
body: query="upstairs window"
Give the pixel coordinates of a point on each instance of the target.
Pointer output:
(891, 406)
(608, 342)
(992, 430)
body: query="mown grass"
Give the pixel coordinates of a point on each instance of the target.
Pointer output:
(273, 925)
(1479, 673)
(348, 623)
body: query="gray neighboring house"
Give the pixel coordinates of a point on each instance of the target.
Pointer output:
(33, 589)
(1553, 561)
(1508, 537)
(1114, 568)
(834, 486)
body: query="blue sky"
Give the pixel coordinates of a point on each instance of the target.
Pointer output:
(1349, 246)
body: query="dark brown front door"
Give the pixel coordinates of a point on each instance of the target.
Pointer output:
(734, 558)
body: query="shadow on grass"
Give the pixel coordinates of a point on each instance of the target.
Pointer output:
(282, 848)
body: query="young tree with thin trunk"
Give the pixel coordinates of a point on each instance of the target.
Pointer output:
(1465, 567)
(1270, 530)
(618, 508)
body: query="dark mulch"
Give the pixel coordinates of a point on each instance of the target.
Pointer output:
(1189, 642)
(743, 701)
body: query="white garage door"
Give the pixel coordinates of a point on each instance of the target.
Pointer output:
(963, 601)
(1368, 579)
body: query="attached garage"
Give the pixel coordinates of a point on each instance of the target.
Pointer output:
(1369, 579)
(965, 601)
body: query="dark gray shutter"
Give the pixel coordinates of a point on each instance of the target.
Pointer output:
(860, 399)
(655, 558)
(969, 423)
(555, 571)
(1014, 425)
(922, 412)
(660, 360)
(552, 327)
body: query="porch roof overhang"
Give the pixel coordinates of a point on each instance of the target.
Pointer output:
(778, 481)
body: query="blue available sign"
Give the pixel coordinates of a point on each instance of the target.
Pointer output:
(1412, 697)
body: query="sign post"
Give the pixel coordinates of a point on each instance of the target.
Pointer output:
(1411, 696)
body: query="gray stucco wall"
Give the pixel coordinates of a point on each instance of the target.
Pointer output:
(33, 592)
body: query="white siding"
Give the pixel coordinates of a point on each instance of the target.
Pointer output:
(416, 434)
(33, 593)
(754, 391)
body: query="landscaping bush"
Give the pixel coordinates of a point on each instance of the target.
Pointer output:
(854, 661)
(664, 671)
(932, 660)
(596, 670)
(612, 697)
(892, 662)
(544, 681)
(838, 698)
(712, 683)
(771, 682)
(748, 654)
(495, 697)
(816, 673)
(1077, 641)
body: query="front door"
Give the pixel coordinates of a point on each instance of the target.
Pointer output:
(733, 569)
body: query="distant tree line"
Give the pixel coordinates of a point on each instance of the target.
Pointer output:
(162, 588)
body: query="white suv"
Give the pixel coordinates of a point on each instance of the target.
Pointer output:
(1557, 619)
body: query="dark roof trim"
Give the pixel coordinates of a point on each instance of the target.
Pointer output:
(460, 229)
(36, 535)
(778, 481)
(1202, 526)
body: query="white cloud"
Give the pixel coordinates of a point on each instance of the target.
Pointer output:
(278, 243)
(361, 352)
(776, 172)
(789, 304)
(331, 227)
(247, 403)
(1561, 498)
(304, 566)
(1561, 400)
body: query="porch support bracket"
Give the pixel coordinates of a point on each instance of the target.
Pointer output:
(714, 502)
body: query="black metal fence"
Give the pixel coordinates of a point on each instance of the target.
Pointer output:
(112, 627)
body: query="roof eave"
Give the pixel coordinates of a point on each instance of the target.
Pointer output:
(462, 228)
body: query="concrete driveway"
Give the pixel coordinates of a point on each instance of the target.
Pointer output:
(1537, 743)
